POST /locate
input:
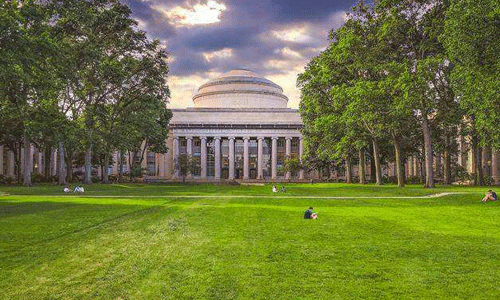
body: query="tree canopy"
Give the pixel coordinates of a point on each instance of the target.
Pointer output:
(85, 68)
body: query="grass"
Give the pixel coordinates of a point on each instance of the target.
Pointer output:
(244, 242)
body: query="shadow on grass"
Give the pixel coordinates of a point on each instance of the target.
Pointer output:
(29, 224)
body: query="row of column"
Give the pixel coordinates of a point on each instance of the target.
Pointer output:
(246, 157)
(7, 162)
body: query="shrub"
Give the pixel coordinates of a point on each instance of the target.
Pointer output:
(78, 176)
(37, 178)
(113, 178)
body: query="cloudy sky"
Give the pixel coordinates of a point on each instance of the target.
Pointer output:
(206, 38)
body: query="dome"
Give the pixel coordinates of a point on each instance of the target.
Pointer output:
(240, 89)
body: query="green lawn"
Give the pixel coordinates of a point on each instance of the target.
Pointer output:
(244, 242)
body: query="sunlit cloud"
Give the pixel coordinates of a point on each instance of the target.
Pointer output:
(221, 54)
(183, 88)
(287, 52)
(288, 82)
(276, 64)
(296, 35)
(198, 14)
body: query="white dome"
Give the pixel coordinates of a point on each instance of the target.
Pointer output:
(240, 89)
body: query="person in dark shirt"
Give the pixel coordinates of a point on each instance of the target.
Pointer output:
(308, 214)
(491, 195)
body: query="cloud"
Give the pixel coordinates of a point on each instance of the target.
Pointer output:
(296, 35)
(198, 14)
(274, 38)
(221, 54)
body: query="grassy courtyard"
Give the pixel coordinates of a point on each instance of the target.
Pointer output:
(244, 242)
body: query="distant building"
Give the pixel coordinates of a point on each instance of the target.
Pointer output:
(239, 128)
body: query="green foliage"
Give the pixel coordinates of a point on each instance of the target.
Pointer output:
(385, 77)
(291, 164)
(137, 172)
(187, 164)
(80, 73)
(471, 37)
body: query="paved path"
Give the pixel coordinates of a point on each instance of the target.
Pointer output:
(280, 196)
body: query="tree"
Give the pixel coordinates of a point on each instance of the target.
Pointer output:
(27, 76)
(414, 30)
(292, 165)
(471, 37)
(186, 164)
(112, 71)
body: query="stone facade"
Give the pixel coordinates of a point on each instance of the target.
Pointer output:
(240, 128)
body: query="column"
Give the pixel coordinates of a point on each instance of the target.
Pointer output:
(217, 158)
(22, 166)
(486, 163)
(416, 167)
(10, 164)
(114, 170)
(189, 151)
(40, 162)
(176, 157)
(144, 163)
(495, 174)
(288, 153)
(1, 160)
(203, 158)
(32, 151)
(53, 162)
(274, 157)
(231, 158)
(260, 158)
(301, 151)
(410, 171)
(246, 169)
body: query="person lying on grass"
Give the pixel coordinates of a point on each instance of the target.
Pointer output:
(309, 214)
(491, 195)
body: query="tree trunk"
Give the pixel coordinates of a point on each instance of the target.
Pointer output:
(60, 166)
(362, 176)
(486, 163)
(447, 165)
(28, 164)
(376, 159)
(429, 172)
(105, 170)
(479, 166)
(348, 169)
(88, 165)
(120, 173)
(46, 163)
(398, 162)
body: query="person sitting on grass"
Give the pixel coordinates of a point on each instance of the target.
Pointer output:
(78, 189)
(66, 189)
(283, 189)
(275, 190)
(491, 195)
(309, 214)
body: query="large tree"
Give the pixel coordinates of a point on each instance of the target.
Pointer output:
(113, 73)
(28, 78)
(472, 39)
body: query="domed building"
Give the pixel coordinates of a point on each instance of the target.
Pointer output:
(240, 128)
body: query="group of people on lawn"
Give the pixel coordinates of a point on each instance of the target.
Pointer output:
(77, 189)
(275, 189)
